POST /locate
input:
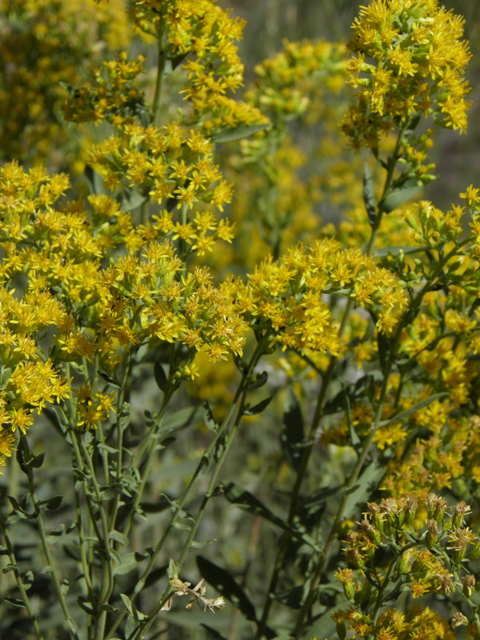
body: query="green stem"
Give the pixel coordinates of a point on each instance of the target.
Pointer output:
(18, 578)
(45, 546)
(186, 494)
(329, 376)
(386, 580)
(82, 541)
(366, 448)
(106, 587)
(211, 486)
(152, 443)
(305, 459)
(120, 399)
(162, 58)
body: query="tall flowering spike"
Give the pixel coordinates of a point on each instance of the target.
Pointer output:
(408, 58)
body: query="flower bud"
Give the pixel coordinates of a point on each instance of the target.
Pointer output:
(469, 585)
(475, 552)
(432, 533)
(341, 630)
(460, 510)
(404, 566)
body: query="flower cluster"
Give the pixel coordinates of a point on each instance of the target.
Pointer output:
(94, 312)
(114, 98)
(203, 36)
(288, 296)
(300, 78)
(408, 60)
(45, 43)
(418, 546)
(171, 163)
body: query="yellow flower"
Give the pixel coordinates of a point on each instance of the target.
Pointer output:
(471, 196)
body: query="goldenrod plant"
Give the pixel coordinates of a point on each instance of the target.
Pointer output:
(239, 350)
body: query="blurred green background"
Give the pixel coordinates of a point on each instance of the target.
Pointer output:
(270, 21)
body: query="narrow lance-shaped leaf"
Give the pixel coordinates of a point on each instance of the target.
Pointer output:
(395, 251)
(245, 500)
(355, 440)
(258, 408)
(413, 409)
(397, 197)
(213, 633)
(361, 491)
(243, 131)
(223, 582)
(160, 376)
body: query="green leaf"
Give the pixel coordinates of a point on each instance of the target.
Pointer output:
(46, 569)
(311, 508)
(354, 391)
(181, 419)
(213, 633)
(107, 448)
(112, 381)
(208, 418)
(53, 419)
(9, 567)
(108, 608)
(413, 409)
(201, 545)
(324, 626)
(56, 534)
(413, 124)
(15, 505)
(292, 598)
(395, 251)
(52, 504)
(28, 579)
(128, 562)
(256, 381)
(14, 602)
(85, 604)
(94, 178)
(37, 461)
(369, 194)
(237, 133)
(172, 570)
(223, 582)
(173, 62)
(109, 492)
(367, 482)
(160, 376)
(293, 428)
(354, 439)
(118, 537)
(127, 602)
(130, 199)
(132, 628)
(397, 197)
(73, 626)
(65, 586)
(246, 501)
(258, 408)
